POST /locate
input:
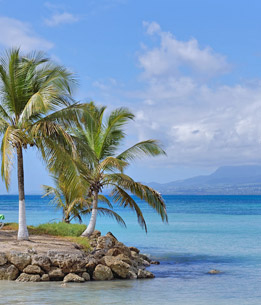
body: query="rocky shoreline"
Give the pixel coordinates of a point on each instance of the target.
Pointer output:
(108, 260)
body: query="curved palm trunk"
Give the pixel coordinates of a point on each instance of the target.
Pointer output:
(91, 227)
(22, 228)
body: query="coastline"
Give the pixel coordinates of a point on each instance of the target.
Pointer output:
(50, 258)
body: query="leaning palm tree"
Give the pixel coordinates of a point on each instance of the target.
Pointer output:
(74, 201)
(101, 166)
(35, 108)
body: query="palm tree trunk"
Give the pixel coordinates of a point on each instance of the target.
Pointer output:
(91, 227)
(22, 228)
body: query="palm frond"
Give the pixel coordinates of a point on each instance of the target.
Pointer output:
(141, 149)
(125, 200)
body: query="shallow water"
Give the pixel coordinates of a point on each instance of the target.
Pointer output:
(204, 233)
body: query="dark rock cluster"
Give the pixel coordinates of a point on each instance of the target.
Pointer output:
(110, 259)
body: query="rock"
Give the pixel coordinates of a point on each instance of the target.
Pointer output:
(123, 249)
(20, 260)
(145, 263)
(42, 261)
(214, 271)
(95, 235)
(55, 274)
(106, 242)
(113, 252)
(86, 276)
(32, 251)
(69, 263)
(3, 259)
(145, 257)
(124, 258)
(120, 268)
(32, 269)
(90, 266)
(8, 272)
(98, 254)
(24, 277)
(155, 262)
(45, 278)
(72, 277)
(102, 273)
(131, 275)
(134, 249)
(145, 274)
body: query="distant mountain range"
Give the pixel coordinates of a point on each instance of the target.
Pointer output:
(227, 180)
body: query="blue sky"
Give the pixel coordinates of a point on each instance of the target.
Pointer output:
(189, 70)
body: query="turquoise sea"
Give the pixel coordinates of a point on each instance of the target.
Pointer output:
(203, 233)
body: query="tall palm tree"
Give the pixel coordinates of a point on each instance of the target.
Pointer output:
(98, 142)
(35, 107)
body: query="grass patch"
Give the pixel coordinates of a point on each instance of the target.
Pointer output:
(82, 242)
(71, 232)
(10, 226)
(58, 229)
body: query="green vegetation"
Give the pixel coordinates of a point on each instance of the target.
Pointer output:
(35, 109)
(79, 144)
(71, 232)
(99, 164)
(58, 229)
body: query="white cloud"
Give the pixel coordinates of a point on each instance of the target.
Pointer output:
(173, 55)
(15, 33)
(61, 18)
(198, 123)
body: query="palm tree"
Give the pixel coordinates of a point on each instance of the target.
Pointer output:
(74, 202)
(35, 107)
(101, 166)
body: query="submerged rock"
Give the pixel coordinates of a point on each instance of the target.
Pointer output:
(214, 271)
(24, 277)
(72, 277)
(145, 274)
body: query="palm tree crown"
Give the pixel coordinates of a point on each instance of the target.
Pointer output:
(98, 142)
(35, 106)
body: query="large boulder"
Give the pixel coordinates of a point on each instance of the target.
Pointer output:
(86, 276)
(102, 273)
(45, 278)
(3, 259)
(24, 277)
(8, 272)
(56, 274)
(72, 277)
(120, 268)
(42, 261)
(20, 260)
(106, 242)
(33, 269)
(68, 263)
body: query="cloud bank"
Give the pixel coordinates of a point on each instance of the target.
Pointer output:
(15, 33)
(199, 123)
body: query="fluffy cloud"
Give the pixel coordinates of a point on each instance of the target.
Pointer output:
(15, 33)
(198, 123)
(60, 18)
(173, 55)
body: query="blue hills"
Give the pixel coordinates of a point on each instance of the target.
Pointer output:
(227, 180)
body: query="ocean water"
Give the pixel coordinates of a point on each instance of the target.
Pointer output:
(203, 233)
